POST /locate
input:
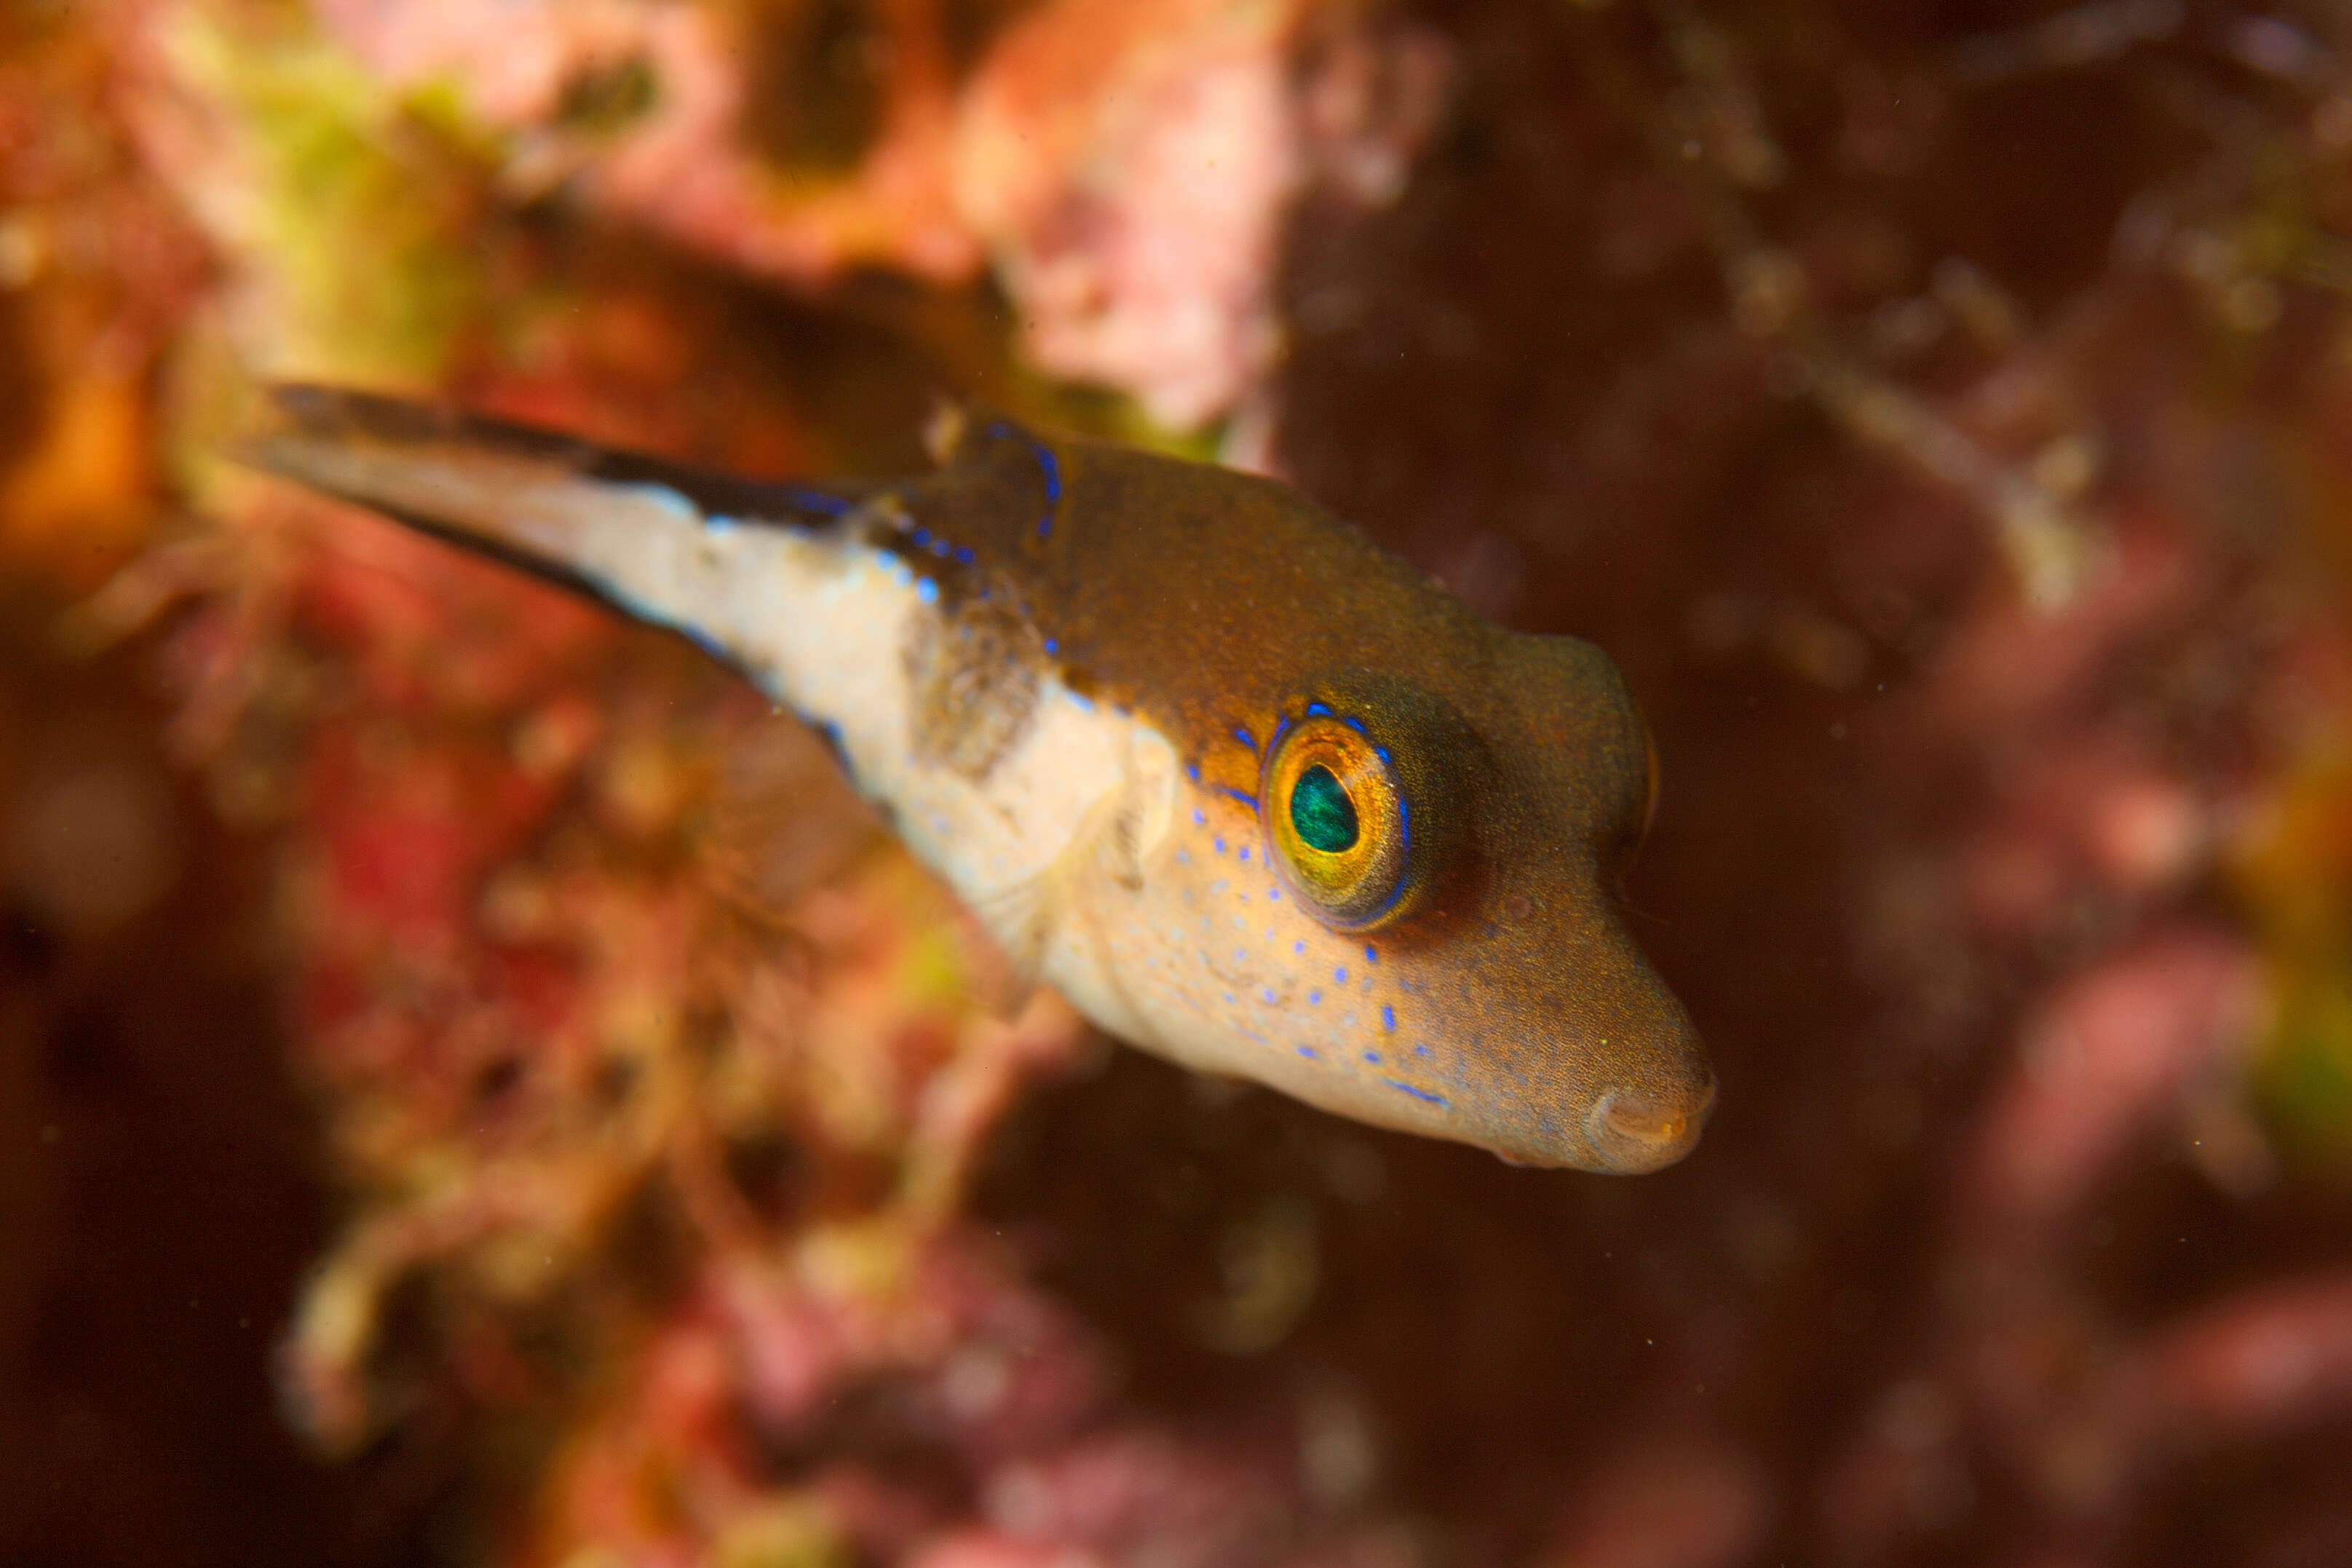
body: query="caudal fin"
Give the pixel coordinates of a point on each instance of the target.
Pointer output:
(362, 445)
(632, 530)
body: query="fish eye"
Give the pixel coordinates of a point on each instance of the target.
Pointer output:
(1337, 813)
(1323, 813)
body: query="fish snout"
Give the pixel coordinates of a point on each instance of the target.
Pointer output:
(1633, 1132)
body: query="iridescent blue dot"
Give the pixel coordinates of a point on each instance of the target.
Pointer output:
(1388, 1018)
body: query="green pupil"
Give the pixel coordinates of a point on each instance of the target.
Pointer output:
(1321, 812)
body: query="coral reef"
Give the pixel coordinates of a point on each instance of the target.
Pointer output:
(1942, 416)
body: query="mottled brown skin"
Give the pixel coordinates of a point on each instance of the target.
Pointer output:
(1215, 603)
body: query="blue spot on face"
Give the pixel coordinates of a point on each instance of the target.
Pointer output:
(1421, 1050)
(1307, 1051)
(1244, 737)
(1421, 1094)
(1244, 854)
(941, 548)
(1372, 953)
(1298, 946)
(1191, 770)
(1388, 1018)
(1374, 1058)
(1053, 472)
(816, 501)
(1199, 818)
(1319, 709)
(1242, 795)
(1341, 975)
(1314, 997)
(921, 537)
(1053, 645)
(1269, 995)
(965, 553)
(1273, 896)
(927, 591)
(1220, 842)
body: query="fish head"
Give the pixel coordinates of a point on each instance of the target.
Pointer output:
(1458, 830)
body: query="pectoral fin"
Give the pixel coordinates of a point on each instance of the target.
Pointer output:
(1108, 848)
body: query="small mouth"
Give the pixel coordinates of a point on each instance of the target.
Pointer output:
(1633, 1133)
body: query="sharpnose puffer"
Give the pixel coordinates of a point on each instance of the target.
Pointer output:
(1250, 793)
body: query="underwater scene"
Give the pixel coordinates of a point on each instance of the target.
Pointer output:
(1176, 783)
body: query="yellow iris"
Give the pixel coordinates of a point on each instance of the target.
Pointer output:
(1338, 816)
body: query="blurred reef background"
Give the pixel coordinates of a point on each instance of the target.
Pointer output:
(474, 1087)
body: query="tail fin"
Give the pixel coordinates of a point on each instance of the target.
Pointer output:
(610, 524)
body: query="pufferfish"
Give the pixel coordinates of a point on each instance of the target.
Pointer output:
(1250, 793)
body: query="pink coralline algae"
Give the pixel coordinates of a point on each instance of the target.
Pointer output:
(1125, 166)
(646, 107)
(1128, 166)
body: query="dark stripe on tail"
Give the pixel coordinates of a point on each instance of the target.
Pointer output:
(328, 412)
